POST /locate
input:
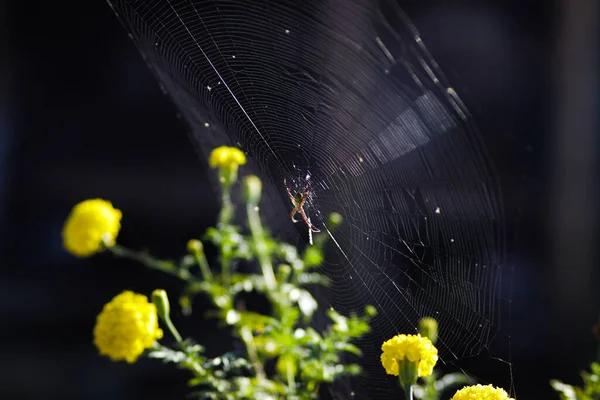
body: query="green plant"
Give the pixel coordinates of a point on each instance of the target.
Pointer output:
(283, 357)
(591, 381)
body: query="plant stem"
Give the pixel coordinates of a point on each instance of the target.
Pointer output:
(408, 392)
(151, 262)
(261, 246)
(249, 341)
(226, 206)
(225, 217)
(226, 266)
(203, 264)
(430, 388)
(174, 331)
(290, 378)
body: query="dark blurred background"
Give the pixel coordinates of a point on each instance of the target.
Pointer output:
(81, 116)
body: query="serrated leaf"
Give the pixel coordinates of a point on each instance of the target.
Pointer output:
(167, 355)
(567, 392)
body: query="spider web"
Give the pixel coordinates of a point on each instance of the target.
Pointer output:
(345, 94)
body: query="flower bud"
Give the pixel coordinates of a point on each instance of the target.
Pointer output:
(370, 310)
(283, 272)
(186, 305)
(428, 327)
(161, 301)
(194, 245)
(252, 189)
(335, 220)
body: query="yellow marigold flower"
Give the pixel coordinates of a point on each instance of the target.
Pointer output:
(226, 157)
(126, 327)
(413, 348)
(90, 223)
(481, 392)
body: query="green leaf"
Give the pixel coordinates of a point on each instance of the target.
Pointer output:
(229, 363)
(167, 355)
(255, 321)
(307, 337)
(454, 379)
(312, 278)
(306, 302)
(256, 388)
(288, 253)
(290, 317)
(567, 392)
(221, 298)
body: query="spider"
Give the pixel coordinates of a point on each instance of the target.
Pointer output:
(298, 201)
